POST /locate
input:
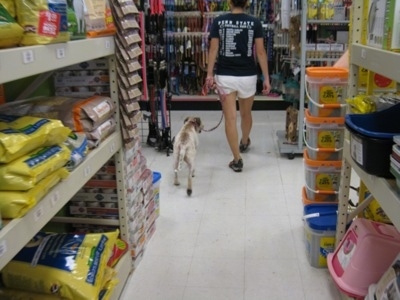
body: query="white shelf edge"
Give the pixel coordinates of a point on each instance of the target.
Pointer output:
(18, 232)
(328, 22)
(32, 60)
(384, 190)
(124, 268)
(379, 61)
(93, 221)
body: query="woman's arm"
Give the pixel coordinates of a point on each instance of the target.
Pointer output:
(343, 61)
(212, 57)
(263, 61)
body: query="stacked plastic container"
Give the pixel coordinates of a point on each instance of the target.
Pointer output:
(326, 89)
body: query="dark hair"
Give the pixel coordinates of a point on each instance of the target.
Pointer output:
(239, 3)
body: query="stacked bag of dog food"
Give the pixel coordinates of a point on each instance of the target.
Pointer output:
(43, 22)
(324, 120)
(33, 157)
(63, 266)
(93, 116)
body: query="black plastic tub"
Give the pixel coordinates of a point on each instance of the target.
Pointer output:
(371, 139)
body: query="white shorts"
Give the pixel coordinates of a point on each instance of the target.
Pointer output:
(245, 86)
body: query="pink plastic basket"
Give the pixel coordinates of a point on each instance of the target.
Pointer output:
(363, 255)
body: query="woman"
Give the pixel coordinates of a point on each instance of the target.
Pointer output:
(232, 38)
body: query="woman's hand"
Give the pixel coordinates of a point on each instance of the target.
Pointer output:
(210, 83)
(266, 87)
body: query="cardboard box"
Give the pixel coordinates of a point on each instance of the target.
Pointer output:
(375, 22)
(391, 39)
(99, 197)
(379, 84)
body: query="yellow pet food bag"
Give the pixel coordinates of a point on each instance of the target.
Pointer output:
(67, 265)
(15, 204)
(25, 172)
(43, 21)
(10, 31)
(10, 294)
(21, 135)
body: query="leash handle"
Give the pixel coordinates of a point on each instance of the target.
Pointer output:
(221, 94)
(207, 86)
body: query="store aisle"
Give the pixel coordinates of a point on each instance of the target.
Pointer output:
(239, 236)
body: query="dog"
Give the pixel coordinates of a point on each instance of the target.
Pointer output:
(185, 148)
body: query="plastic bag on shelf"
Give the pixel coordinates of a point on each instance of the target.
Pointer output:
(73, 266)
(21, 135)
(10, 31)
(25, 172)
(15, 204)
(43, 21)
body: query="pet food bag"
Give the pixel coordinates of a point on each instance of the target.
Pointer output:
(25, 172)
(21, 135)
(72, 266)
(10, 31)
(98, 18)
(80, 115)
(43, 21)
(11, 294)
(15, 204)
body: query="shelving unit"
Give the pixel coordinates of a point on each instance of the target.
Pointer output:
(16, 63)
(297, 148)
(384, 190)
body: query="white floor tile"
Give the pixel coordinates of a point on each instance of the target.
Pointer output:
(240, 235)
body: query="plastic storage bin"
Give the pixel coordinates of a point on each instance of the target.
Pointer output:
(319, 232)
(326, 110)
(156, 190)
(371, 139)
(322, 178)
(327, 85)
(363, 255)
(325, 135)
(307, 201)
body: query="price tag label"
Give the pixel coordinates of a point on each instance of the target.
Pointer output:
(28, 57)
(3, 248)
(87, 171)
(38, 213)
(60, 53)
(54, 199)
(108, 44)
(363, 53)
(112, 148)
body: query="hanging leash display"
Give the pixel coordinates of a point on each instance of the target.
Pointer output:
(221, 95)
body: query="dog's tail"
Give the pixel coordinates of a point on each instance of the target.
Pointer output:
(179, 160)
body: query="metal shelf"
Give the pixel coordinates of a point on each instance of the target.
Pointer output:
(328, 22)
(384, 190)
(18, 232)
(124, 269)
(19, 62)
(385, 63)
(288, 148)
(376, 60)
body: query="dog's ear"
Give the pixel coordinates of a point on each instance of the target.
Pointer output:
(198, 121)
(199, 125)
(186, 119)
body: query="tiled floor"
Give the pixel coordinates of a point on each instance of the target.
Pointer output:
(239, 236)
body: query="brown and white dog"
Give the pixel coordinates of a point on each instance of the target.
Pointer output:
(185, 148)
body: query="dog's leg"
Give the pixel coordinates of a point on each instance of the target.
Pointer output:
(176, 167)
(189, 184)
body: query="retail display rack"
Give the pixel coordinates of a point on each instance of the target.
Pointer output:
(384, 190)
(16, 63)
(297, 147)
